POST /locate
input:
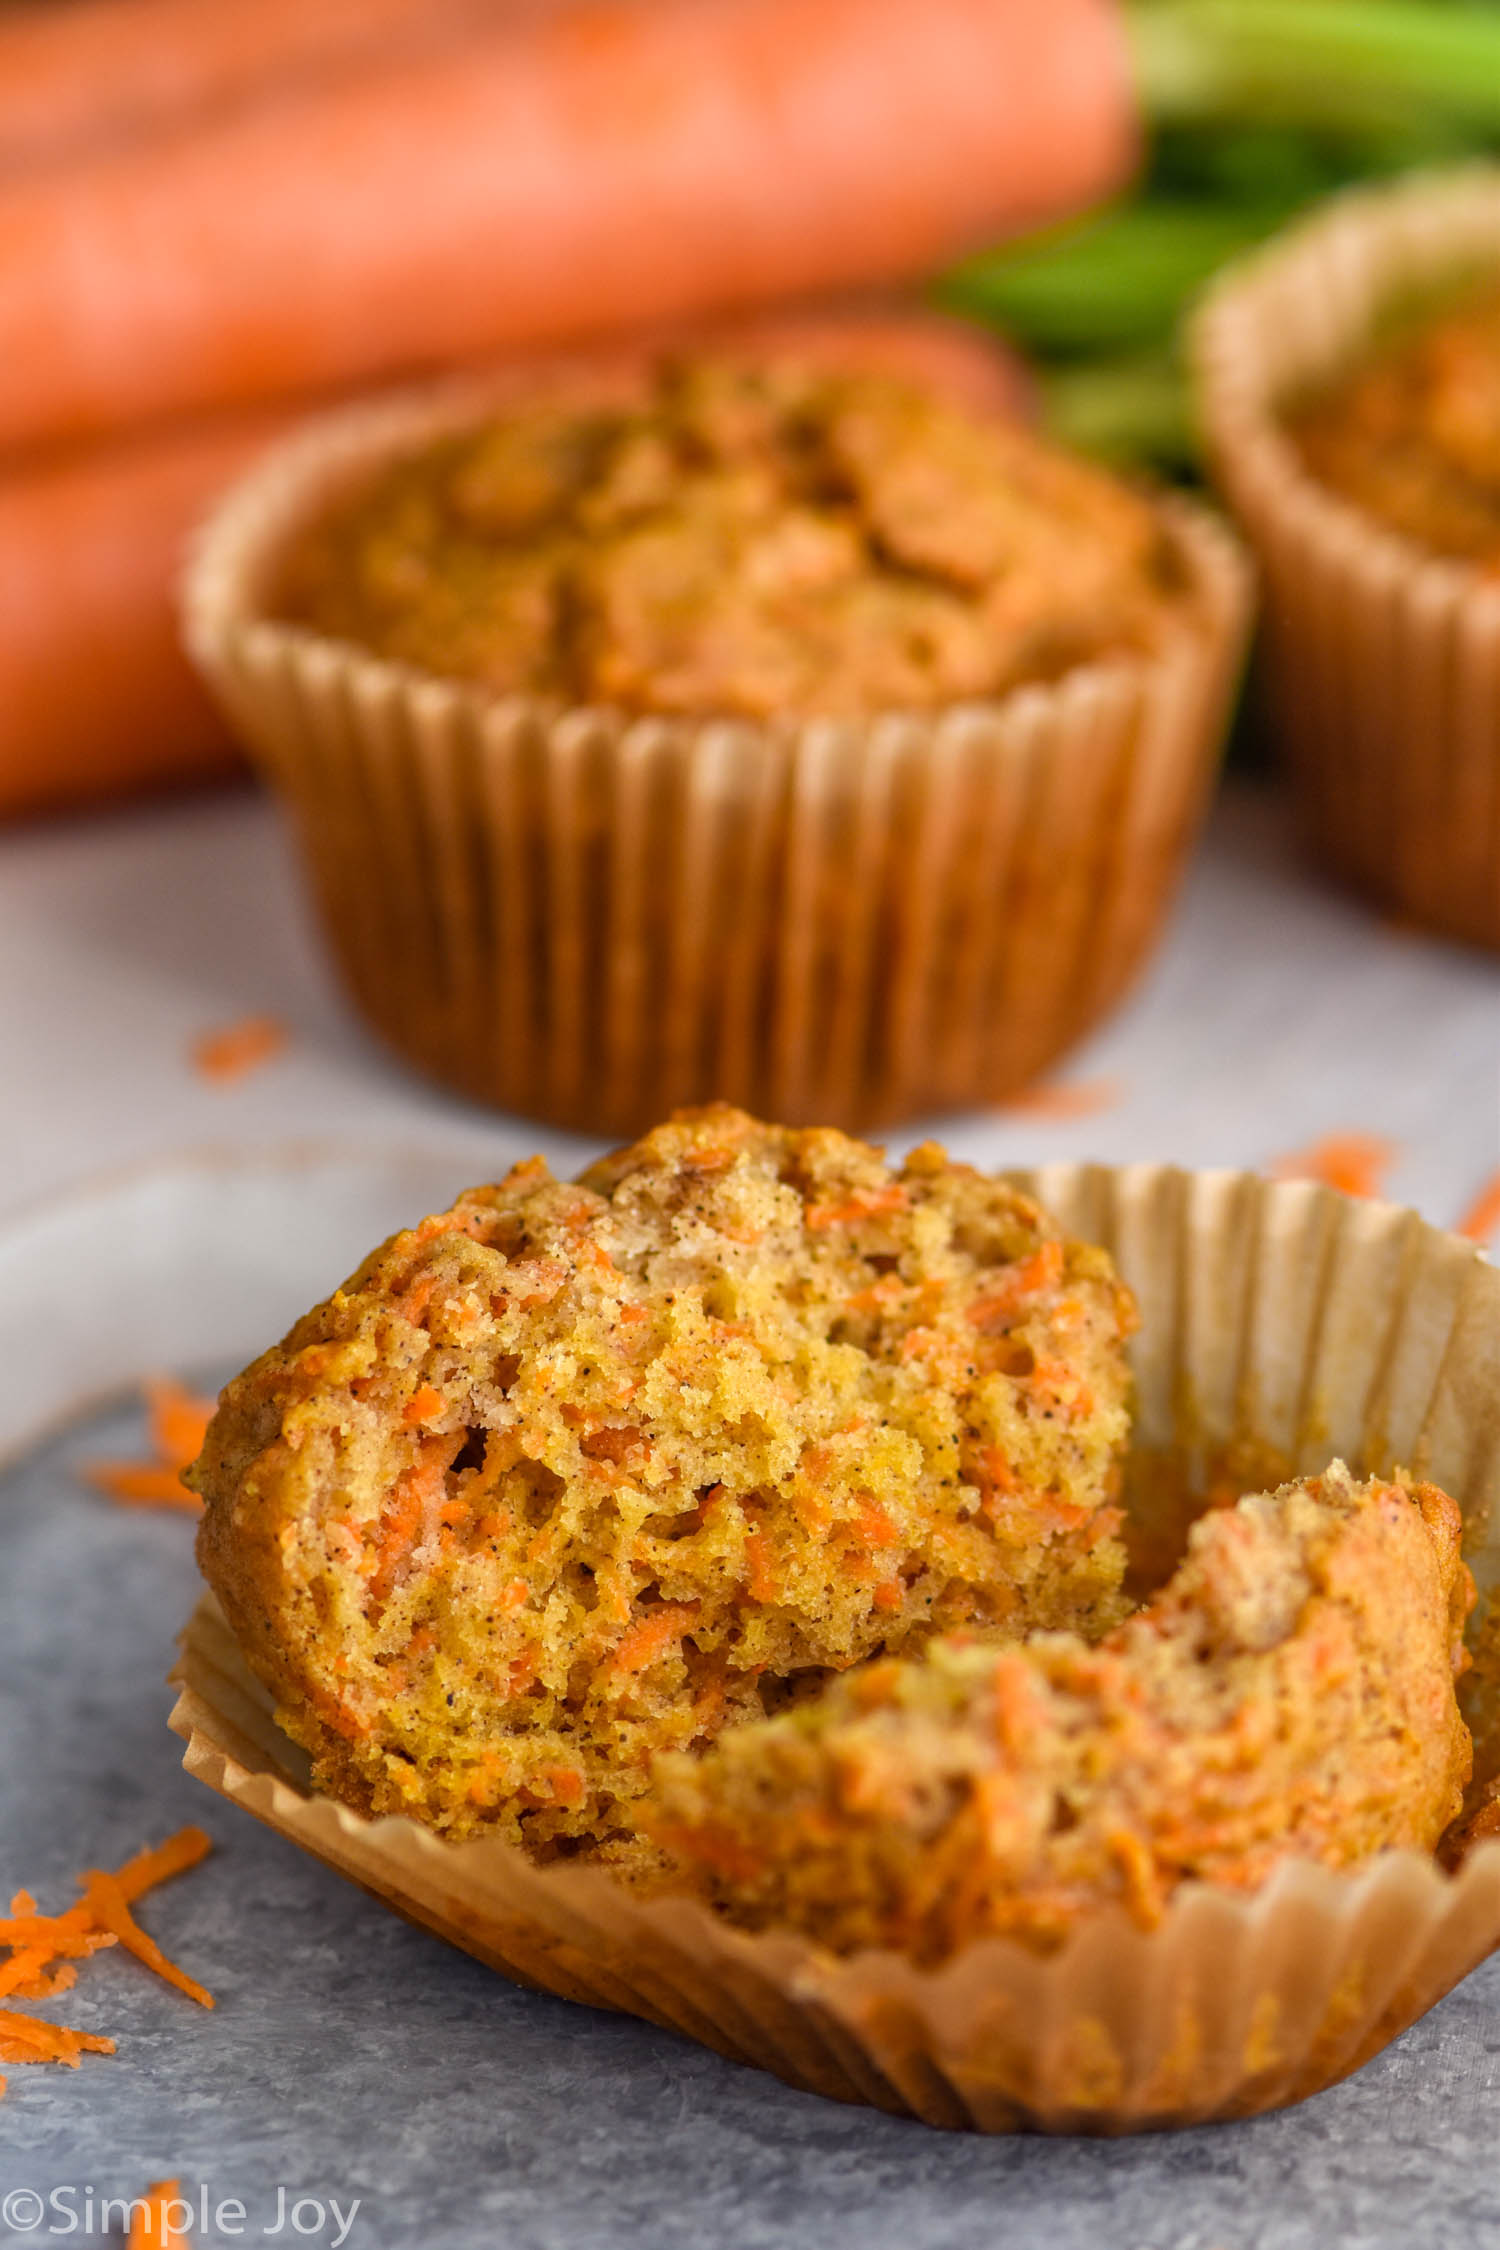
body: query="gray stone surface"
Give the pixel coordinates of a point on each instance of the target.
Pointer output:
(351, 2057)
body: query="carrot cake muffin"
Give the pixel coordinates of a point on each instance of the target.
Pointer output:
(1290, 1691)
(739, 540)
(575, 1473)
(1413, 435)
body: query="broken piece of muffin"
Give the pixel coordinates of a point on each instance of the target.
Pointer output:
(577, 1473)
(1289, 1693)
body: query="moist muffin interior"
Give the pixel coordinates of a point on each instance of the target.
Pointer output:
(1290, 1692)
(578, 1472)
(742, 541)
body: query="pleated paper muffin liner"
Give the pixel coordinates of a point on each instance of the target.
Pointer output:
(592, 918)
(1382, 662)
(1277, 1315)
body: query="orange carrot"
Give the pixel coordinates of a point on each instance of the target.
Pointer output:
(238, 1048)
(569, 170)
(103, 70)
(90, 547)
(177, 1421)
(653, 1636)
(424, 1405)
(1482, 1219)
(1354, 1163)
(965, 363)
(152, 2222)
(867, 1205)
(1029, 1277)
(96, 692)
(106, 1902)
(101, 1918)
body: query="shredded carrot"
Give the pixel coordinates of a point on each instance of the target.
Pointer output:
(1083, 1097)
(101, 1918)
(177, 1420)
(236, 1049)
(439, 1223)
(1482, 1219)
(1354, 1163)
(865, 1206)
(135, 1484)
(758, 1556)
(29, 2039)
(424, 1405)
(151, 2222)
(653, 1636)
(107, 1901)
(889, 1594)
(874, 1525)
(1029, 1277)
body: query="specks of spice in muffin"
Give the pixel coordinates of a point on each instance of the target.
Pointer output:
(575, 1473)
(1289, 1693)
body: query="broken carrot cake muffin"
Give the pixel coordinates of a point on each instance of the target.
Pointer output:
(575, 1473)
(1289, 1692)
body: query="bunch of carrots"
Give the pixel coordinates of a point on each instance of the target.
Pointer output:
(212, 216)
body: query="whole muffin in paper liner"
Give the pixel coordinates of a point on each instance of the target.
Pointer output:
(1363, 487)
(844, 799)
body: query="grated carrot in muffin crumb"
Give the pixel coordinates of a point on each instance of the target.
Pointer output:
(583, 1470)
(1288, 1693)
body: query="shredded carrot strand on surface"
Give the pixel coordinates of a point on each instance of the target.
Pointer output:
(1083, 1097)
(29, 2039)
(1354, 1163)
(101, 1918)
(135, 1484)
(177, 1420)
(107, 1900)
(151, 2226)
(235, 1049)
(1482, 1219)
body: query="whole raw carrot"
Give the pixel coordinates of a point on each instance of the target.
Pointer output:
(91, 71)
(576, 169)
(96, 698)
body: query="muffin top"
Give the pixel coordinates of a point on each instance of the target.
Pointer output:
(741, 541)
(1289, 1693)
(576, 1472)
(1413, 435)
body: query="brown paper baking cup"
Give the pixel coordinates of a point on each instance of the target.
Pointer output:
(1274, 1313)
(1382, 662)
(592, 918)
